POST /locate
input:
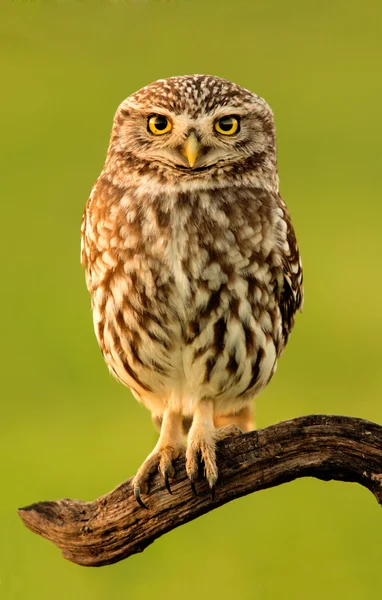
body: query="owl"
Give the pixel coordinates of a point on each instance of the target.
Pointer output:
(191, 263)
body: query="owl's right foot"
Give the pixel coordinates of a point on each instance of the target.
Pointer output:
(160, 459)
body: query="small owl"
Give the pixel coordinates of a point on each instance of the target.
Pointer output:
(192, 263)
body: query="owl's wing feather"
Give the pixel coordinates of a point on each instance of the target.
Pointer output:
(291, 292)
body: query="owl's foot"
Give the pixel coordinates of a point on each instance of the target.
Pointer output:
(168, 448)
(202, 439)
(201, 446)
(160, 459)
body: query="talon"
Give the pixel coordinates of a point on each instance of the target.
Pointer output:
(167, 483)
(193, 487)
(137, 494)
(213, 488)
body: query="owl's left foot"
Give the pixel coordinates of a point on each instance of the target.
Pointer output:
(202, 439)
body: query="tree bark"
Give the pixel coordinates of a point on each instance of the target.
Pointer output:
(114, 526)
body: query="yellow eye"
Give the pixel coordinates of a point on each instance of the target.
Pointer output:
(227, 125)
(159, 124)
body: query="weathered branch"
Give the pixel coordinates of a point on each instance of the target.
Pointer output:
(113, 527)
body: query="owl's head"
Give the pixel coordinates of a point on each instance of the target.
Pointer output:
(195, 126)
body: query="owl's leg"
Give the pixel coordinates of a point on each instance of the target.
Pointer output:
(166, 450)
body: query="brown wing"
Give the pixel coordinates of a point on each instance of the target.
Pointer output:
(291, 292)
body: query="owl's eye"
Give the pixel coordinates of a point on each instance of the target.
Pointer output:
(159, 124)
(227, 125)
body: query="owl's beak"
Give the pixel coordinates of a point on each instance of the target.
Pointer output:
(191, 148)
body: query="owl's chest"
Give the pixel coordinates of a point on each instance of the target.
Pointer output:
(175, 262)
(208, 274)
(187, 295)
(214, 306)
(188, 265)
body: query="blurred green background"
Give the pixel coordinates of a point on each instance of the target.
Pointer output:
(67, 428)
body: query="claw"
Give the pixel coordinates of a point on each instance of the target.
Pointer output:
(213, 488)
(193, 487)
(137, 494)
(167, 483)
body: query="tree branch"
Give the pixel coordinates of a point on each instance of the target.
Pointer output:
(114, 527)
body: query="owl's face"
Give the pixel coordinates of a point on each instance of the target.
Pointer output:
(194, 124)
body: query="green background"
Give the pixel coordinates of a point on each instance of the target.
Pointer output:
(67, 428)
